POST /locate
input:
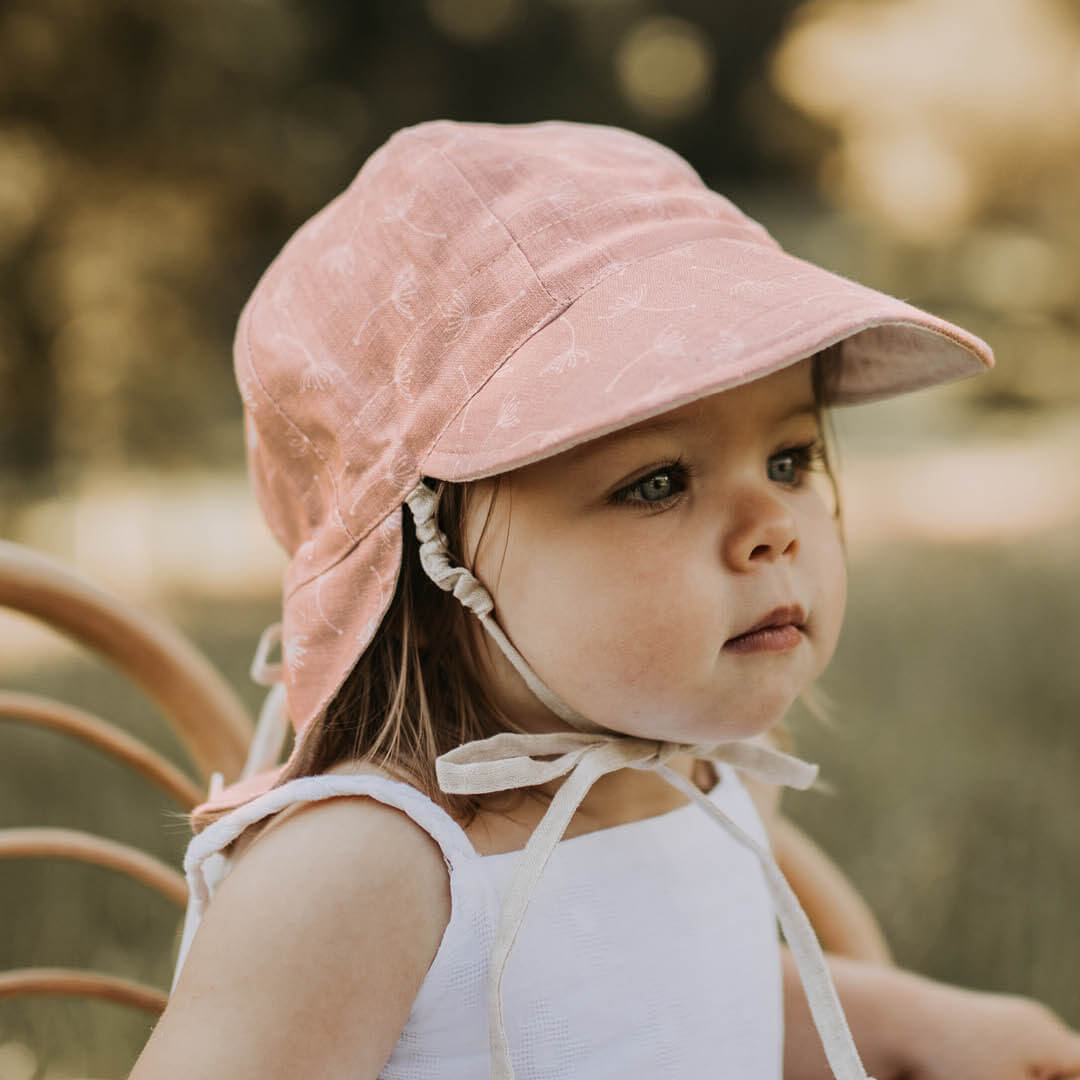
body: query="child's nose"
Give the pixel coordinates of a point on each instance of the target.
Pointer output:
(762, 531)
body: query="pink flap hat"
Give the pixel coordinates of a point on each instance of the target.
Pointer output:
(484, 296)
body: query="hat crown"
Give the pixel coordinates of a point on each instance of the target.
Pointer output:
(383, 314)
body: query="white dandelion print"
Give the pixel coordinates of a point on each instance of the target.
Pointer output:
(402, 472)
(294, 650)
(508, 412)
(338, 520)
(569, 357)
(322, 611)
(468, 404)
(389, 532)
(624, 304)
(756, 287)
(635, 301)
(397, 210)
(405, 377)
(458, 314)
(670, 342)
(339, 260)
(319, 376)
(297, 441)
(403, 296)
(724, 347)
(317, 373)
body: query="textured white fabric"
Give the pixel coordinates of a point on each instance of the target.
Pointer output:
(649, 949)
(519, 760)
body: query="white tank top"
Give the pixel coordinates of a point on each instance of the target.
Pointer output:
(649, 949)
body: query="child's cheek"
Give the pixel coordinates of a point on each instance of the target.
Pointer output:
(620, 637)
(830, 574)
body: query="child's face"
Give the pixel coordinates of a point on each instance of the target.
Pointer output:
(629, 570)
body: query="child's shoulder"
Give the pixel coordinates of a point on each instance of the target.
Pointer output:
(333, 911)
(342, 833)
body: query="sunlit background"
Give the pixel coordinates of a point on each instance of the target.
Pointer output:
(153, 158)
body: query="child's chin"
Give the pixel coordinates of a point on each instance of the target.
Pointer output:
(704, 731)
(743, 725)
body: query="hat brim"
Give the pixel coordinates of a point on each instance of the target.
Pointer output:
(691, 321)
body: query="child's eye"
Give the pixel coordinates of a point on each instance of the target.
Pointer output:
(791, 465)
(656, 488)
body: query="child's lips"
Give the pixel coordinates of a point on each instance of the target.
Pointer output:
(780, 630)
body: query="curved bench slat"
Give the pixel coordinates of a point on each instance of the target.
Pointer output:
(214, 724)
(25, 982)
(39, 843)
(44, 712)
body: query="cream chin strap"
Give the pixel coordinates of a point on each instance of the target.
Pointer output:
(509, 761)
(273, 723)
(435, 559)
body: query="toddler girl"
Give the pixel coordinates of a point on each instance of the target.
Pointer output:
(511, 839)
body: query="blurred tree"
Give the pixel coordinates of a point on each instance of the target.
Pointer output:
(155, 156)
(952, 127)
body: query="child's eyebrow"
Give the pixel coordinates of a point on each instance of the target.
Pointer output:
(810, 408)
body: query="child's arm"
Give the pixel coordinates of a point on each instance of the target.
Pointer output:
(911, 1028)
(309, 958)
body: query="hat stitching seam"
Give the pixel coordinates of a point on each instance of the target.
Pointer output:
(699, 191)
(538, 325)
(615, 199)
(343, 556)
(502, 224)
(605, 272)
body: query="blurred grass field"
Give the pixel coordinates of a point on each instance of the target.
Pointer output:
(951, 753)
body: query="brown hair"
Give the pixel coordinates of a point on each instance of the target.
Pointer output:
(416, 691)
